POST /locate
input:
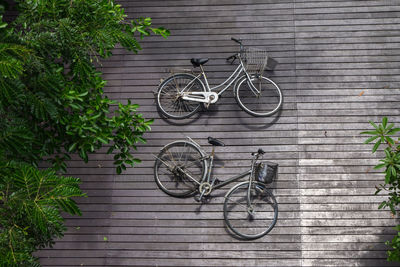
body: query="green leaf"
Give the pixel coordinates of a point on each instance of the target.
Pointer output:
(72, 147)
(379, 166)
(382, 205)
(393, 131)
(377, 191)
(389, 140)
(387, 152)
(384, 122)
(374, 125)
(376, 146)
(393, 172)
(370, 132)
(370, 139)
(388, 175)
(102, 140)
(136, 160)
(110, 150)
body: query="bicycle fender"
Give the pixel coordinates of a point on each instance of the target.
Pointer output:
(233, 188)
(194, 77)
(236, 83)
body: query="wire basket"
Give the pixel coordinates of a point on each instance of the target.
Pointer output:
(266, 172)
(257, 60)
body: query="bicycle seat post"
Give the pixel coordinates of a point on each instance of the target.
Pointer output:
(205, 77)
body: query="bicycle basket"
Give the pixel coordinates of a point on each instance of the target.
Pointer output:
(257, 60)
(266, 172)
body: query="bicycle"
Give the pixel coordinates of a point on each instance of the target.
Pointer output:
(181, 95)
(183, 169)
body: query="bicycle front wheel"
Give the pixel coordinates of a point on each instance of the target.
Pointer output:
(262, 99)
(179, 168)
(250, 214)
(169, 96)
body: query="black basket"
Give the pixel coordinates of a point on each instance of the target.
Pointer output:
(266, 172)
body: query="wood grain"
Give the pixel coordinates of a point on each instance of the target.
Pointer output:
(339, 68)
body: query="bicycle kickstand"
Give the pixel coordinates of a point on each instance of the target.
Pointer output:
(208, 104)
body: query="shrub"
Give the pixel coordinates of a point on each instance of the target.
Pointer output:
(383, 134)
(52, 105)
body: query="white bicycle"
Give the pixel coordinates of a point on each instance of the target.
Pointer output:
(182, 95)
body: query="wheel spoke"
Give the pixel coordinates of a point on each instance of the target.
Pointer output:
(170, 100)
(251, 221)
(181, 171)
(265, 102)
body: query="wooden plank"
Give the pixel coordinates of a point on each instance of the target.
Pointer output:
(338, 69)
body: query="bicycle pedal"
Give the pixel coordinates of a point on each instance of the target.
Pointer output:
(203, 200)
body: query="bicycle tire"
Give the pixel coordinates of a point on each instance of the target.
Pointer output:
(174, 163)
(170, 102)
(265, 104)
(239, 218)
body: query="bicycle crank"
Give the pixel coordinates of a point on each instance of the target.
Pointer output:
(205, 189)
(203, 97)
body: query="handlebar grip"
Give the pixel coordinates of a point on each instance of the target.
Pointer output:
(236, 40)
(259, 152)
(233, 58)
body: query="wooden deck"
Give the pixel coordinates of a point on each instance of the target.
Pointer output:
(339, 68)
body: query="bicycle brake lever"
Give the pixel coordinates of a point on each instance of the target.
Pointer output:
(233, 58)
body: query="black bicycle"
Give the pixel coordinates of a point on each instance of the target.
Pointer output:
(183, 169)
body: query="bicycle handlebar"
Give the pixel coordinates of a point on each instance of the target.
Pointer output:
(259, 152)
(236, 40)
(234, 57)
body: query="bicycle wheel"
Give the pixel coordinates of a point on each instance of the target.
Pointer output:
(254, 219)
(169, 97)
(179, 168)
(264, 101)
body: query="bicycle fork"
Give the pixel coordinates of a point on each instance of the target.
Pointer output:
(206, 187)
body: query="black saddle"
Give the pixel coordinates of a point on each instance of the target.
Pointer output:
(215, 142)
(198, 61)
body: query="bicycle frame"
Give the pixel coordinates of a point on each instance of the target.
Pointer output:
(228, 82)
(210, 97)
(207, 177)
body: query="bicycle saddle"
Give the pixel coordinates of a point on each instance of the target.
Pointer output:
(215, 142)
(198, 61)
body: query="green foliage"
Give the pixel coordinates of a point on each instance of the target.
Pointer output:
(383, 134)
(52, 105)
(394, 255)
(51, 94)
(31, 201)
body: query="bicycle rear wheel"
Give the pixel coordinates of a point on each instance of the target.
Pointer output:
(254, 218)
(179, 168)
(169, 98)
(263, 100)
